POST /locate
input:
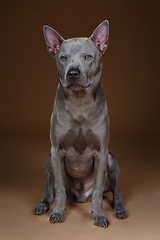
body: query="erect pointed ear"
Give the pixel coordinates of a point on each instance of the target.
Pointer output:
(100, 36)
(53, 39)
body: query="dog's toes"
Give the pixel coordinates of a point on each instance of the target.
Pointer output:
(56, 218)
(41, 208)
(101, 222)
(120, 213)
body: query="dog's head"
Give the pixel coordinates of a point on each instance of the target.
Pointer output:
(78, 59)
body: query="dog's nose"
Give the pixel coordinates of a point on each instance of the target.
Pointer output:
(73, 73)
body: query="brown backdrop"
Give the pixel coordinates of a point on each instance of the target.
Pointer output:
(131, 63)
(28, 84)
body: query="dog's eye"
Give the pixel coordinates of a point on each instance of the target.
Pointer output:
(88, 57)
(63, 58)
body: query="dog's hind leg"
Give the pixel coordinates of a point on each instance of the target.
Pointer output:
(43, 205)
(113, 176)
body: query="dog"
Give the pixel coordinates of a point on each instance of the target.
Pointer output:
(80, 167)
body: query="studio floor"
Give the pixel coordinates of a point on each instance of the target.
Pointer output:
(23, 183)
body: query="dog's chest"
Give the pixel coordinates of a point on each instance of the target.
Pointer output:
(79, 150)
(79, 140)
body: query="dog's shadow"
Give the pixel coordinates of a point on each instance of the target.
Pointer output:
(85, 209)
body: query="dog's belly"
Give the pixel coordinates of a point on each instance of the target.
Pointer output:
(79, 165)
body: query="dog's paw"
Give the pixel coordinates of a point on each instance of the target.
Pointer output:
(101, 221)
(41, 208)
(56, 217)
(120, 212)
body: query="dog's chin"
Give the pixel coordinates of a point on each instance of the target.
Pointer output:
(76, 87)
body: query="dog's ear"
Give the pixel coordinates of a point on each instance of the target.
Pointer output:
(53, 39)
(100, 36)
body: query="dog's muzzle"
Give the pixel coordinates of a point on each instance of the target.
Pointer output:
(75, 80)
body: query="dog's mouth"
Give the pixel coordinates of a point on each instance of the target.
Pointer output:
(76, 87)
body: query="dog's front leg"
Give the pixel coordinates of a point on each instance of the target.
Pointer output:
(100, 218)
(57, 216)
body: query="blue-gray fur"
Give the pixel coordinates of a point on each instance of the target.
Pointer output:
(80, 166)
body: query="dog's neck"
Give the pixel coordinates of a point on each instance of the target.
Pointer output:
(76, 94)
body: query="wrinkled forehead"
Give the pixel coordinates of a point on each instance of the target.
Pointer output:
(78, 45)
